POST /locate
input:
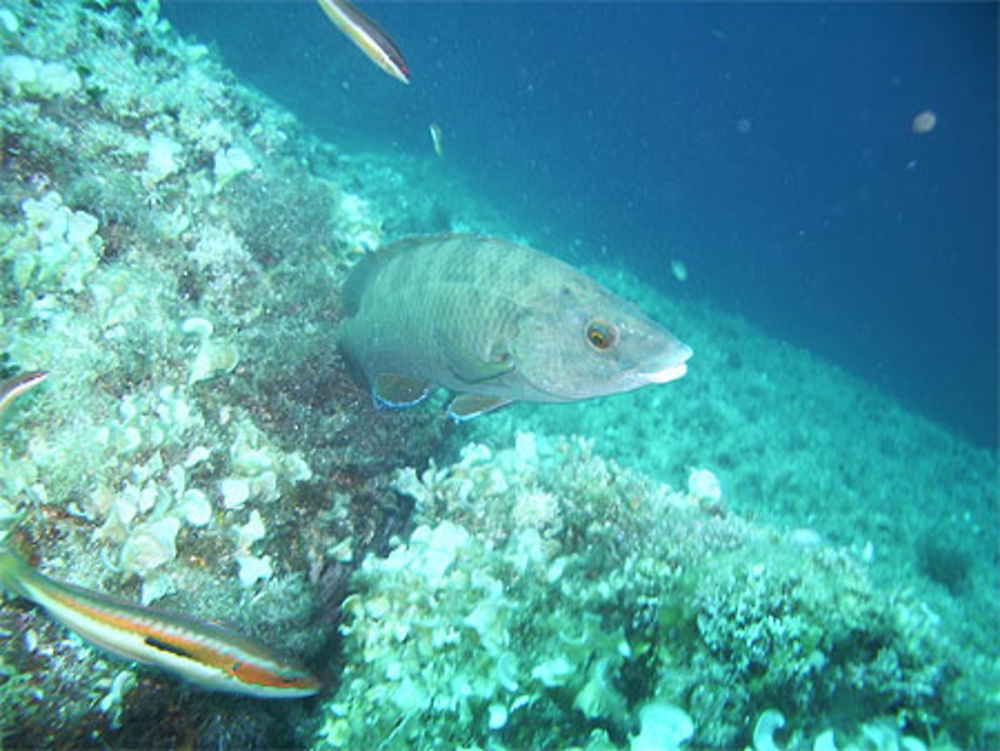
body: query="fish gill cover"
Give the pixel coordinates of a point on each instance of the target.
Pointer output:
(769, 552)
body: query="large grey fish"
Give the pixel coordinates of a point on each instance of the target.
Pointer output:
(496, 322)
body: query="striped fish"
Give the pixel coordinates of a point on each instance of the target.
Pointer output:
(12, 388)
(206, 654)
(368, 36)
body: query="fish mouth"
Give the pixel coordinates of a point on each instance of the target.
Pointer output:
(671, 373)
(670, 367)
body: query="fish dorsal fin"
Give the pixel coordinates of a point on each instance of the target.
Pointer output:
(466, 365)
(367, 269)
(466, 406)
(397, 390)
(361, 276)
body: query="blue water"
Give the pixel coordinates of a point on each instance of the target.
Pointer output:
(768, 146)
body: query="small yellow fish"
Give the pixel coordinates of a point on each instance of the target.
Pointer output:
(14, 387)
(206, 654)
(368, 36)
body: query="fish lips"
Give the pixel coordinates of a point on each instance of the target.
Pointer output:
(668, 367)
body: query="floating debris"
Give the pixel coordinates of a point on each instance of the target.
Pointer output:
(435, 130)
(924, 122)
(679, 269)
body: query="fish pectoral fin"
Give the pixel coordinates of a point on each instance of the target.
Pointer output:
(466, 406)
(469, 367)
(397, 390)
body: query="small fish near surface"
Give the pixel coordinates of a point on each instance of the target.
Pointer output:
(206, 654)
(368, 36)
(436, 139)
(496, 322)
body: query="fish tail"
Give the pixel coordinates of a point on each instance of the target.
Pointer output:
(13, 573)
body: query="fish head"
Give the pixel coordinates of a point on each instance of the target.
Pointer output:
(584, 341)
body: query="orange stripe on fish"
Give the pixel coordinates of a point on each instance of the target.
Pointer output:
(368, 36)
(206, 654)
(14, 387)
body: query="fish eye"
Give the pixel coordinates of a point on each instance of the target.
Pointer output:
(600, 335)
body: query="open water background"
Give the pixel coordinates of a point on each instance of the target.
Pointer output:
(766, 145)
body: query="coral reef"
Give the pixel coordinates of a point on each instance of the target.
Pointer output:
(167, 254)
(547, 596)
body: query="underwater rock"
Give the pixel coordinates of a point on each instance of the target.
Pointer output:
(150, 546)
(622, 596)
(119, 226)
(61, 249)
(230, 163)
(662, 727)
(25, 75)
(161, 159)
